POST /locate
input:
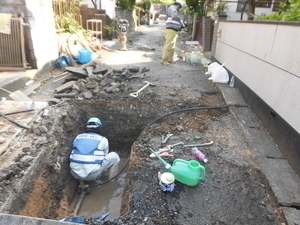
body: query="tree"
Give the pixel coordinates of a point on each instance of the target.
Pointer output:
(289, 11)
(94, 3)
(126, 4)
(251, 9)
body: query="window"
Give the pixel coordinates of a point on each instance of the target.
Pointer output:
(263, 3)
(241, 5)
(276, 5)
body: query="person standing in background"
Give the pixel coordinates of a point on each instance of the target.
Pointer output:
(173, 25)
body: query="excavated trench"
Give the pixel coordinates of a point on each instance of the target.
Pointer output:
(48, 190)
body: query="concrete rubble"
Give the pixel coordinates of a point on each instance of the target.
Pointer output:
(96, 81)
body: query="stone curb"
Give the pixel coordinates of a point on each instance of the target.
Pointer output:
(281, 177)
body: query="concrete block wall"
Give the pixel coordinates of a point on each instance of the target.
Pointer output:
(264, 56)
(207, 33)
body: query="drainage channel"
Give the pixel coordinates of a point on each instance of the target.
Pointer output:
(104, 198)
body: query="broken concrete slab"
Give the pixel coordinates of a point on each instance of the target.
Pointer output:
(65, 95)
(145, 69)
(132, 69)
(77, 71)
(53, 101)
(283, 180)
(112, 88)
(89, 70)
(65, 87)
(87, 94)
(99, 69)
(292, 215)
(233, 96)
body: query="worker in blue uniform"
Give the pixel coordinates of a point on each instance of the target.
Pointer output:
(90, 155)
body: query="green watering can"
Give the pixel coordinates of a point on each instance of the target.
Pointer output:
(185, 172)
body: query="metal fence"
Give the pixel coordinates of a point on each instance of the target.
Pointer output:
(12, 48)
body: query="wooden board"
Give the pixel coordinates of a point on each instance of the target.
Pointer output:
(19, 96)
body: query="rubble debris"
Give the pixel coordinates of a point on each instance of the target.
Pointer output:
(99, 69)
(132, 69)
(65, 87)
(117, 71)
(66, 95)
(96, 81)
(89, 70)
(77, 71)
(145, 69)
(112, 88)
(53, 101)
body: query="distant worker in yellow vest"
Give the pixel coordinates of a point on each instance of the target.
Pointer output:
(173, 24)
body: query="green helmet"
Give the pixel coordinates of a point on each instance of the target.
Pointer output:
(93, 122)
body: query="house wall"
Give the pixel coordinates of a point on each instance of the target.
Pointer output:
(269, 53)
(107, 5)
(40, 17)
(234, 15)
(264, 56)
(42, 38)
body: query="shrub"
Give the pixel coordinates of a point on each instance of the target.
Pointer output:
(289, 11)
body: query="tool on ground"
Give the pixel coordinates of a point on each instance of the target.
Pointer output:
(166, 139)
(164, 152)
(199, 145)
(135, 94)
(186, 172)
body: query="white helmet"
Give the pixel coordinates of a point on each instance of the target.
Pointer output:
(94, 122)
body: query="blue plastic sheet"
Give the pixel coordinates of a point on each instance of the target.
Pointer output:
(81, 219)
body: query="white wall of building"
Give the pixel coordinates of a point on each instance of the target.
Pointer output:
(40, 17)
(107, 5)
(265, 56)
(234, 15)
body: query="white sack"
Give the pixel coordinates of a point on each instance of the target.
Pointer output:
(219, 74)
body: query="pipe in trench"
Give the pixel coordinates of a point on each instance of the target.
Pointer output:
(79, 202)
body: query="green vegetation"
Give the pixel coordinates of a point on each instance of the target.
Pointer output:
(289, 11)
(69, 24)
(126, 4)
(219, 9)
(66, 15)
(110, 28)
(195, 7)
